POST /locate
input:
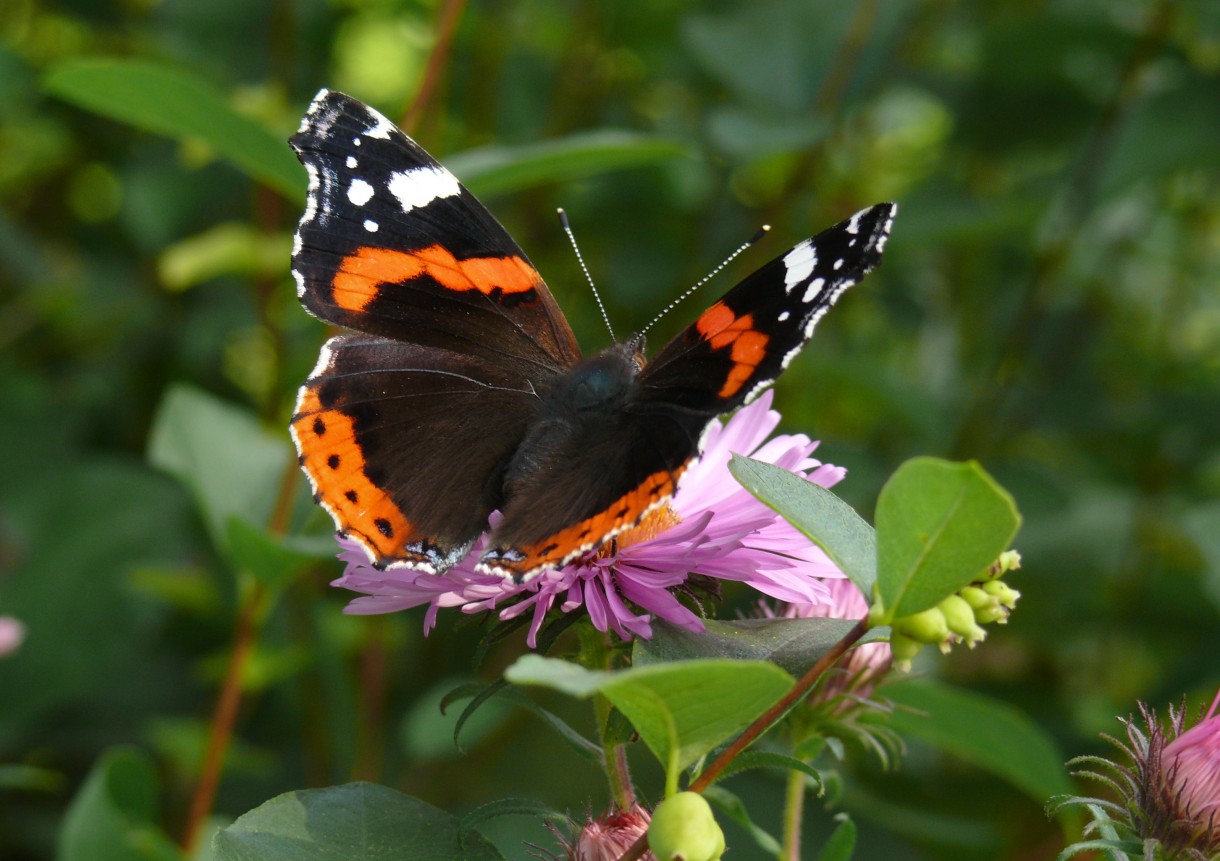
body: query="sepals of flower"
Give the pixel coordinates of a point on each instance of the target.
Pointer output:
(1167, 779)
(959, 618)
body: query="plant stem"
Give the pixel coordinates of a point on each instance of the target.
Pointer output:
(446, 28)
(763, 723)
(223, 718)
(794, 807)
(773, 714)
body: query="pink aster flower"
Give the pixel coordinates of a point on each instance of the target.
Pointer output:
(1168, 780)
(607, 837)
(712, 527)
(1193, 777)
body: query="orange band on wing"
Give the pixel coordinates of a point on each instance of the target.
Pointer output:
(326, 440)
(623, 514)
(722, 328)
(362, 275)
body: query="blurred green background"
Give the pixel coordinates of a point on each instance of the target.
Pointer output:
(1049, 305)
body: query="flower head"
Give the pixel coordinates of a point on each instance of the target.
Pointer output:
(712, 527)
(1193, 776)
(606, 837)
(1170, 786)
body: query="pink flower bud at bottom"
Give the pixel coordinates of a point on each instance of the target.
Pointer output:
(606, 837)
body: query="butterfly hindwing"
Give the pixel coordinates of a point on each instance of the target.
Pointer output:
(403, 428)
(625, 464)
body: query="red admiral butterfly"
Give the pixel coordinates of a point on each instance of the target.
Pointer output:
(462, 389)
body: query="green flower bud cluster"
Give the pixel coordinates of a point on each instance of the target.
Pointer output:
(684, 829)
(960, 617)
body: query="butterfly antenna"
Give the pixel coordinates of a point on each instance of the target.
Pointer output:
(563, 221)
(762, 231)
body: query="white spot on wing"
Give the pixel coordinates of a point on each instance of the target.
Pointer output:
(382, 127)
(351, 162)
(784, 315)
(853, 224)
(815, 287)
(359, 192)
(420, 186)
(838, 264)
(799, 263)
(371, 226)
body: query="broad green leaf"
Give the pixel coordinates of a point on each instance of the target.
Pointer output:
(983, 731)
(341, 823)
(683, 709)
(113, 815)
(221, 452)
(793, 644)
(268, 558)
(501, 170)
(822, 517)
(178, 104)
(732, 806)
(939, 525)
(841, 844)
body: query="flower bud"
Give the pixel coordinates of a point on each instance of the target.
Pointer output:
(959, 616)
(684, 829)
(986, 607)
(904, 650)
(927, 627)
(1006, 595)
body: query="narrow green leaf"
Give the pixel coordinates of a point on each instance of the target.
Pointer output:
(732, 806)
(752, 759)
(983, 731)
(356, 820)
(113, 816)
(793, 644)
(480, 694)
(939, 525)
(507, 807)
(221, 452)
(685, 708)
(822, 517)
(501, 170)
(170, 101)
(841, 844)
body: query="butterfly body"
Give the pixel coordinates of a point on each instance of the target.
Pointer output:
(462, 391)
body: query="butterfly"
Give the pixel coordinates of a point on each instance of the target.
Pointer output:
(460, 390)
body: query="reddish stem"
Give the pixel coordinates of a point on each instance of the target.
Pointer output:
(762, 724)
(223, 720)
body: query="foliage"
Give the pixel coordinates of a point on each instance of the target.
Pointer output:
(1047, 308)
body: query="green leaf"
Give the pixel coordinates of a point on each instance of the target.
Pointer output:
(221, 452)
(939, 525)
(822, 517)
(733, 807)
(841, 844)
(793, 644)
(501, 170)
(340, 823)
(113, 815)
(507, 807)
(178, 104)
(751, 759)
(479, 695)
(682, 709)
(268, 558)
(983, 731)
